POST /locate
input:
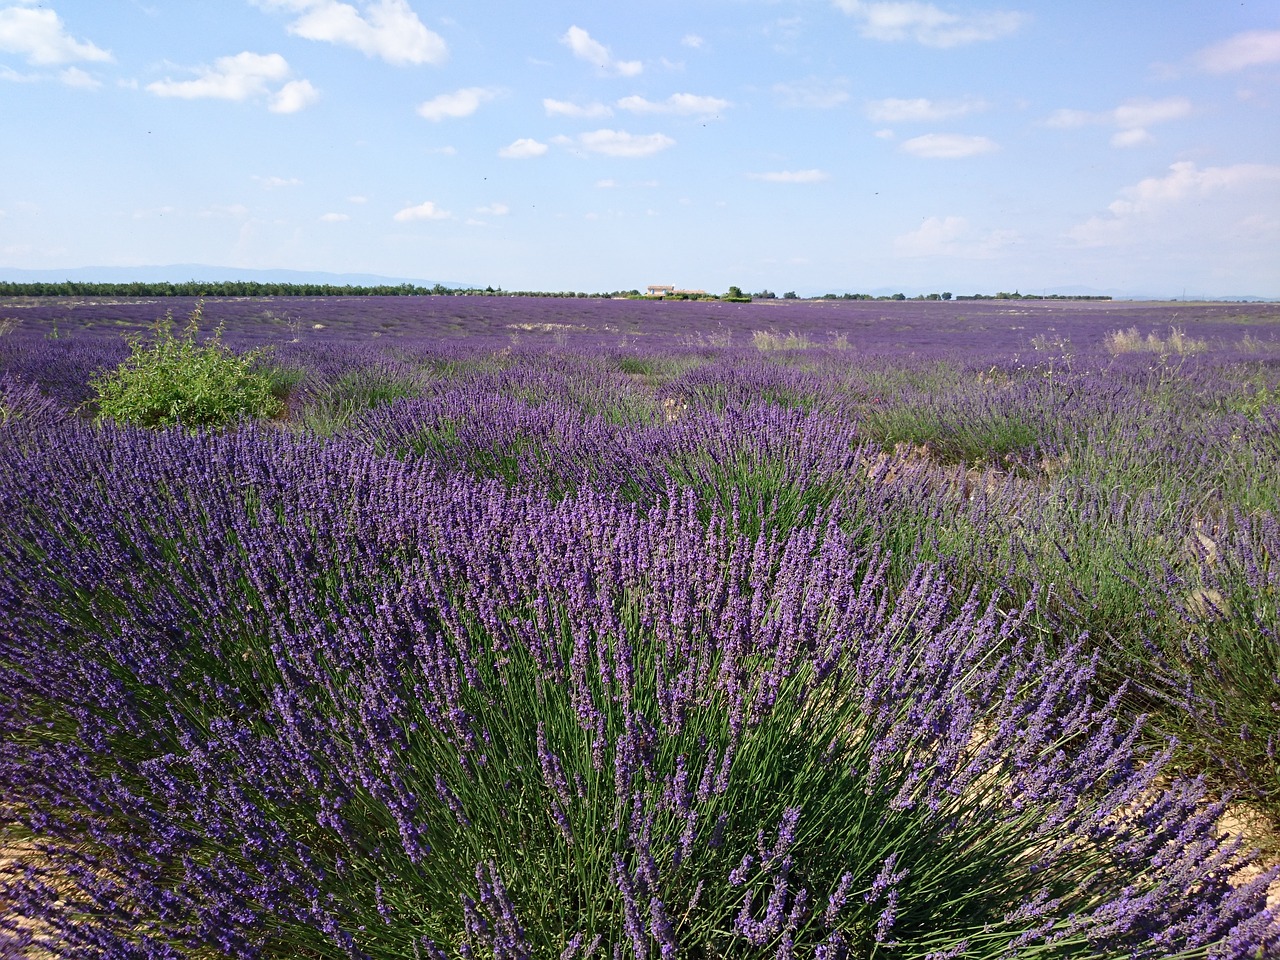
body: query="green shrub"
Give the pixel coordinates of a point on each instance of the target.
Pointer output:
(173, 379)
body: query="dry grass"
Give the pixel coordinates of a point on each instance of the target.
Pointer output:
(1131, 341)
(765, 341)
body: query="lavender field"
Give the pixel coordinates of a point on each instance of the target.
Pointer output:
(568, 628)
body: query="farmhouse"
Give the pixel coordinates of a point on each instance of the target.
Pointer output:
(659, 290)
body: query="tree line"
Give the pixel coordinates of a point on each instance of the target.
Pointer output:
(255, 288)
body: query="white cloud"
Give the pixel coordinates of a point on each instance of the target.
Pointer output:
(13, 76)
(682, 104)
(586, 48)
(334, 218)
(357, 199)
(564, 108)
(1068, 119)
(1238, 190)
(387, 29)
(692, 40)
(933, 237)
(791, 176)
(1249, 49)
(523, 149)
(275, 183)
(460, 103)
(75, 77)
(951, 237)
(293, 96)
(1131, 118)
(619, 143)
(813, 94)
(1144, 113)
(929, 24)
(921, 110)
(423, 211)
(1136, 137)
(244, 76)
(948, 146)
(494, 210)
(606, 184)
(40, 37)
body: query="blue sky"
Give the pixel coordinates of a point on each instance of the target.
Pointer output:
(809, 145)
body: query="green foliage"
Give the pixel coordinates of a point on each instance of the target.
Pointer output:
(175, 380)
(1252, 405)
(353, 393)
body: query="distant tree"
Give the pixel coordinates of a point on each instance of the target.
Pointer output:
(736, 292)
(946, 295)
(790, 295)
(898, 296)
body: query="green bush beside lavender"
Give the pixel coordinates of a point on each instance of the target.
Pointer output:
(177, 380)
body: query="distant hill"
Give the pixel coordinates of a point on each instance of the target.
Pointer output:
(179, 272)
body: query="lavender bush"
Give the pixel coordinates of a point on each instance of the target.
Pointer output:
(297, 701)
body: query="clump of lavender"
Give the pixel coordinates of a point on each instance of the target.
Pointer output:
(266, 697)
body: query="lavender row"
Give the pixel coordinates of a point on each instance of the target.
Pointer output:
(268, 696)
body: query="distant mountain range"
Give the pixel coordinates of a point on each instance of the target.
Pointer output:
(180, 272)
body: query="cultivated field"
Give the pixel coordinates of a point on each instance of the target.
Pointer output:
(588, 628)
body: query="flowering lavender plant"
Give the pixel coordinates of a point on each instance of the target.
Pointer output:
(262, 696)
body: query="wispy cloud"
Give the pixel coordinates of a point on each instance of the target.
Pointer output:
(1250, 49)
(1131, 119)
(812, 94)
(619, 143)
(921, 110)
(523, 149)
(460, 103)
(951, 237)
(423, 211)
(791, 176)
(692, 41)
(40, 37)
(245, 76)
(948, 146)
(681, 104)
(929, 24)
(386, 29)
(584, 47)
(13, 76)
(231, 211)
(79, 79)
(494, 210)
(275, 183)
(565, 108)
(334, 218)
(1180, 187)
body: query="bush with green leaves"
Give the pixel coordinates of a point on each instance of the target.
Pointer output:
(177, 380)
